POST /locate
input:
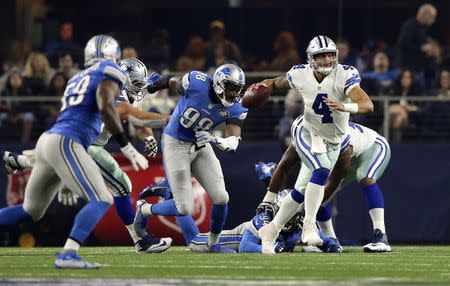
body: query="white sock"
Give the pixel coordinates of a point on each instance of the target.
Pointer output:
(313, 199)
(71, 245)
(133, 233)
(213, 238)
(287, 210)
(327, 228)
(146, 210)
(377, 216)
(270, 197)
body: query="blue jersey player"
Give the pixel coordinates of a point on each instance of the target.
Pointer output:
(61, 151)
(206, 102)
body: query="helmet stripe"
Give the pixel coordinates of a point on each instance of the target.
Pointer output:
(326, 41)
(320, 42)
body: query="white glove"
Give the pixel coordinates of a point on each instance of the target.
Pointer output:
(138, 161)
(30, 156)
(150, 146)
(204, 137)
(67, 197)
(228, 144)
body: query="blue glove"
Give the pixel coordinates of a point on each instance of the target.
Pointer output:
(264, 170)
(153, 77)
(279, 247)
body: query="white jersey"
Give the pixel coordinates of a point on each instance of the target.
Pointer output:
(361, 138)
(330, 125)
(104, 135)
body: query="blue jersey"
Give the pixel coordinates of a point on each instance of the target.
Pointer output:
(200, 109)
(79, 117)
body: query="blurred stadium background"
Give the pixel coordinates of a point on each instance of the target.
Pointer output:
(42, 46)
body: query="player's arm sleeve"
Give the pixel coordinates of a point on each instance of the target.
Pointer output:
(249, 243)
(114, 72)
(239, 118)
(183, 84)
(292, 74)
(352, 79)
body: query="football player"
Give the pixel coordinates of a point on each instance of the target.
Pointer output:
(364, 160)
(61, 151)
(331, 92)
(116, 180)
(187, 144)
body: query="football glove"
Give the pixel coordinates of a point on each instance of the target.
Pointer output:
(137, 160)
(67, 197)
(268, 208)
(150, 146)
(228, 144)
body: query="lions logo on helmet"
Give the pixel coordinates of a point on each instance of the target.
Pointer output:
(228, 81)
(99, 48)
(320, 45)
(137, 78)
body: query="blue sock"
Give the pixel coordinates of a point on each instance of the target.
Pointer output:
(320, 176)
(188, 227)
(325, 213)
(218, 217)
(14, 215)
(124, 209)
(86, 220)
(374, 197)
(166, 208)
(297, 196)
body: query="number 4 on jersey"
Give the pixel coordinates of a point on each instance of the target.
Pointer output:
(321, 108)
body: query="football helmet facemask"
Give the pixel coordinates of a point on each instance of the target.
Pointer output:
(137, 78)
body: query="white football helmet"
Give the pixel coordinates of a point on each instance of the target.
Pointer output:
(99, 48)
(320, 45)
(137, 78)
(228, 82)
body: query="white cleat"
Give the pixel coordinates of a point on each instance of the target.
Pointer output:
(310, 235)
(268, 234)
(379, 243)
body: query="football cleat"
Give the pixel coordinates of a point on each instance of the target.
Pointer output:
(269, 235)
(11, 162)
(159, 189)
(218, 248)
(310, 235)
(71, 260)
(264, 171)
(140, 221)
(150, 244)
(334, 245)
(379, 243)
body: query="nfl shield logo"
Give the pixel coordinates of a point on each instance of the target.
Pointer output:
(223, 113)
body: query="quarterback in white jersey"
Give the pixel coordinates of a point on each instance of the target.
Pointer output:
(330, 91)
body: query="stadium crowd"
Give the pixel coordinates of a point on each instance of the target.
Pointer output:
(415, 65)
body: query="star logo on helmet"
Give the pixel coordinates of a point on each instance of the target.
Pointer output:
(129, 69)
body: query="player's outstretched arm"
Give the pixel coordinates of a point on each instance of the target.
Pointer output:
(165, 81)
(278, 84)
(124, 109)
(107, 92)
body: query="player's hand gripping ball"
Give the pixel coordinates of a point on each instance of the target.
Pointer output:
(255, 96)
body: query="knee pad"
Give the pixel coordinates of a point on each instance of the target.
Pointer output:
(185, 208)
(35, 212)
(221, 199)
(320, 176)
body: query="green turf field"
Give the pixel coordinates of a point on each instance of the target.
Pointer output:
(406, 265)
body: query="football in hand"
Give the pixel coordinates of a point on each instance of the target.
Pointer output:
(255, 97)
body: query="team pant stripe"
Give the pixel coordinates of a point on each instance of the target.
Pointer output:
(120, 188)
(378, 160)
(306, 150)
(61, 149)
(73, 166)
(82, 169)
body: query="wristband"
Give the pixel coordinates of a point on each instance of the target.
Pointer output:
(122, 139)
(351, 107)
